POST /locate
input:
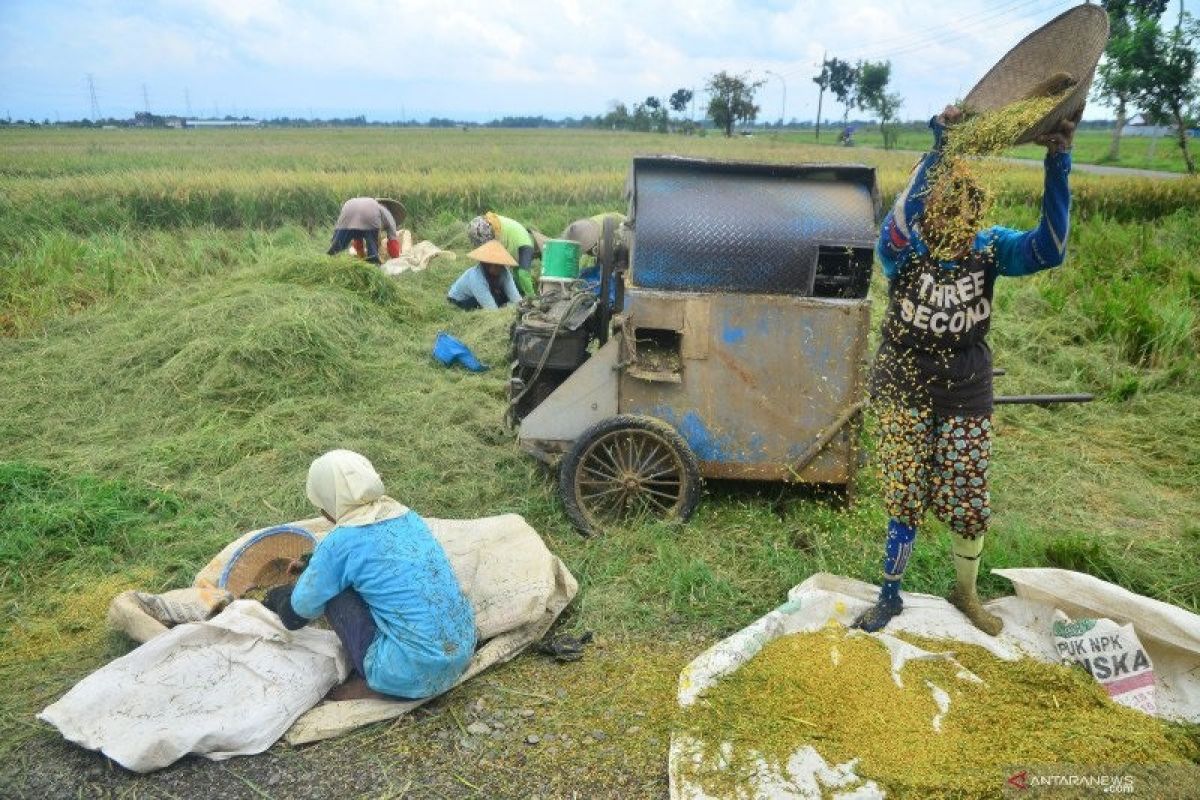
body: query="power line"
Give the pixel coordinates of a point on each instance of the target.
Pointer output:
(965, 27)
(925, 37)
(934, 32)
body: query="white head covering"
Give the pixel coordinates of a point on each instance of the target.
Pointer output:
(346, 486)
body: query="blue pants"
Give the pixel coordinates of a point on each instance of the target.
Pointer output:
(343, 236)
(351, 620)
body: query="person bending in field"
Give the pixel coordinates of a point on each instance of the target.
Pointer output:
(360, 224)
(932, 376)
(488, 284)
(514, 237)
(383, 582)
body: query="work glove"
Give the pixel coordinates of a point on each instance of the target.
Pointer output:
(393, 248)
(279, 600)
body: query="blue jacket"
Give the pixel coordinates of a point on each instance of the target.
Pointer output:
(426, 626)
(473, 284)
(1017, 252)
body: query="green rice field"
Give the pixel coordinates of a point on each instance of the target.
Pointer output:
(175, 348)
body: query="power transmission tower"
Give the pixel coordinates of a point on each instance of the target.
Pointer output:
(146, 98)
(92, 95)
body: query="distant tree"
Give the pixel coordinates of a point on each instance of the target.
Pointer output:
(659, 119)
(871, 94)
(843, 82)
(1165, 82)
(617, 117)
(731, 98)
(680, 99)
(1132, 25)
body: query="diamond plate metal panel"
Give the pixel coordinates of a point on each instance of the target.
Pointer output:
(722, 226)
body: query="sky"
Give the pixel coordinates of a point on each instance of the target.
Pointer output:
(477, 60)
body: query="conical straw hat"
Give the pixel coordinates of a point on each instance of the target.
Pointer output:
(1071, 43)
(492, 253)
(395, 207)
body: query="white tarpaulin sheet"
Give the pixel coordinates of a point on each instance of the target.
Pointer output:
(1170, 635)
(229, 686)
(234, 684)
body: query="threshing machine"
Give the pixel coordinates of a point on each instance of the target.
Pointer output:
(727, 340)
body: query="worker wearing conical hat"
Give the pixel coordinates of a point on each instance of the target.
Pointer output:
(515, 238)
(489, 284)
(362, 221)
(932, 377)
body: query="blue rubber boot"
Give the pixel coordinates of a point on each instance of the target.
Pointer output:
(899, 546)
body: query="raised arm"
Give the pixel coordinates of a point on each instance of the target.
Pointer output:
(1026, 252)
(898, 237)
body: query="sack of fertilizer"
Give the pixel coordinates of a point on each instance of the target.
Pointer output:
(1112, 654)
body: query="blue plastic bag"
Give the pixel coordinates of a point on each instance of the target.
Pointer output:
(448, 350)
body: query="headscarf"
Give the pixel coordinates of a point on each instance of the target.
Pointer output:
(346, 486)
(480, 230)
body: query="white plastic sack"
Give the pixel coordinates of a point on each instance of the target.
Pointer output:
(229, 686)
(1171, 637)
(1112, 654)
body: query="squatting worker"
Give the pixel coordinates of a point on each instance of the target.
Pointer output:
(514, 237)
(488, 284)
(384, 583)
(932, 376)
(362, 221)
(587, 232)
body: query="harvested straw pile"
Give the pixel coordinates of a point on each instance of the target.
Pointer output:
(835, 691)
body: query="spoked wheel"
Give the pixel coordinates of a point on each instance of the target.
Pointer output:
(627, 468)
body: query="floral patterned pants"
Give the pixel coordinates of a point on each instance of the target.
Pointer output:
(936, 463)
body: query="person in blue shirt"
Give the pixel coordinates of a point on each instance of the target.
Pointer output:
(932, 376)
(383, 582)
(489, 284)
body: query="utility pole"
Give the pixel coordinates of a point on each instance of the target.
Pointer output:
(92, 94)
(821, 92)
(783, 107)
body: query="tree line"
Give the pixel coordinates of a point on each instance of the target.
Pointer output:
(1150, 66)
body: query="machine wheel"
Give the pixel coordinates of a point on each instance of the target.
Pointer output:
(626, 468)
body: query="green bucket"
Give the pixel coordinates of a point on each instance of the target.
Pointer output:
(560, 259)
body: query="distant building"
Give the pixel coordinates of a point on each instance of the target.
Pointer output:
(1139, 126)
(222, 123)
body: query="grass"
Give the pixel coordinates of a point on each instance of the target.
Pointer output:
(168, 376)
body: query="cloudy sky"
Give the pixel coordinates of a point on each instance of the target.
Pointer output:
(478, 59)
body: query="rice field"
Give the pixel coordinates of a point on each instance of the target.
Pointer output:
(175, 348)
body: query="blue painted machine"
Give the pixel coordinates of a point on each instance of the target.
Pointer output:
(739, 330)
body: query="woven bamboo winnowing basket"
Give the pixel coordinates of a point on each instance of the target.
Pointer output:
(1069, 45)
(261, 561)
